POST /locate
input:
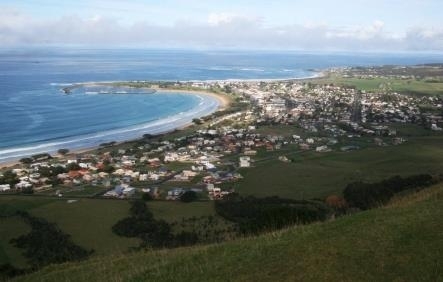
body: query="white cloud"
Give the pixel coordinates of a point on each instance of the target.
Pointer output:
(220, 30)
(217, 19)
(220, 18)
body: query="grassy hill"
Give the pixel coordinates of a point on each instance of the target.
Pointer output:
(400, 242)
(88, 221)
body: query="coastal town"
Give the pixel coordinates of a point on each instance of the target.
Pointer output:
(208, 159)
(221, 141)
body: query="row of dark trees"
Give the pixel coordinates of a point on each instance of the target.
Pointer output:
(42, 156)
(255, 215)
(369, 195)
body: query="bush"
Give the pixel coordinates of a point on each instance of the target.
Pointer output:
(73, 166)
(26, 160)
(141, 224)
(335, 202)
(368, 195)
(147, 197)
(9, 177)
(254, 215)
(189, 196)
(197, 121)
(63, 151)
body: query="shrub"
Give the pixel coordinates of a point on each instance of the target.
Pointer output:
(189, 196)
(368, 195)
(63, 151)
(254, 215)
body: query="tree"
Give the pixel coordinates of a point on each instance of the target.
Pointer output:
(73, 166)
(189, 196)
(335, 202)
(108, 168)
(9, 177)
(26, 160)
(47, 244)
(147, 197)
(197, 121)
(63, 151)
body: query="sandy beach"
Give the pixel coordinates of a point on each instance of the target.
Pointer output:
(223, 100)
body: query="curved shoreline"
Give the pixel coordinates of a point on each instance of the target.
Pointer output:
(223, 100)
(212, 102)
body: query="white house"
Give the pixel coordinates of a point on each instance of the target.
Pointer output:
(5, 187)
(244, 161)
(128, 191)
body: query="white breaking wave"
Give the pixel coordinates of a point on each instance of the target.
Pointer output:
(61, 84)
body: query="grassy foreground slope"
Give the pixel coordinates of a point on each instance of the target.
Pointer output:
(401, 242)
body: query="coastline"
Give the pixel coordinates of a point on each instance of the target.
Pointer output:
(223, 103)
(177, 121)
(223, 100)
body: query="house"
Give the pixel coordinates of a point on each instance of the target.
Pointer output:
(189, 173)
(250, 152)
(171, 157)
(121, 191)
(154, 176)
(128, 192)
(284, 159)
(143, 177)
(378, 141)
(5, 187)
(398, 141)
(23, 185)
(322, 149)
(245, 161)
(304, 146)
(435, 127)
(175, 194)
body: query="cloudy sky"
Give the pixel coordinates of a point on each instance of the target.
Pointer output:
(355, 25)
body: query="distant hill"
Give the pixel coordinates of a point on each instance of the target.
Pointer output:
(400, 242)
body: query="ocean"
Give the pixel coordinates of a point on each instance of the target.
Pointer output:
(37, 117)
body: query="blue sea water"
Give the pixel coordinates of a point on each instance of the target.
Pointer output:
(37, 117)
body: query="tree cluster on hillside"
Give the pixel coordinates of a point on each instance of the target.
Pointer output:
(154, 233)
(189, 196)
(254, 215)
(47, 244)
(369, 195)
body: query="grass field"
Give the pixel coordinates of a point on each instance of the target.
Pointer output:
(317, 175)
(10, 228)
(401, 242)
(88, 221)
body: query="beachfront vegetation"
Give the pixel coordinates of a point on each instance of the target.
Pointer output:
(63, 151)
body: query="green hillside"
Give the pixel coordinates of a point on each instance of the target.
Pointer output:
(401, 242)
